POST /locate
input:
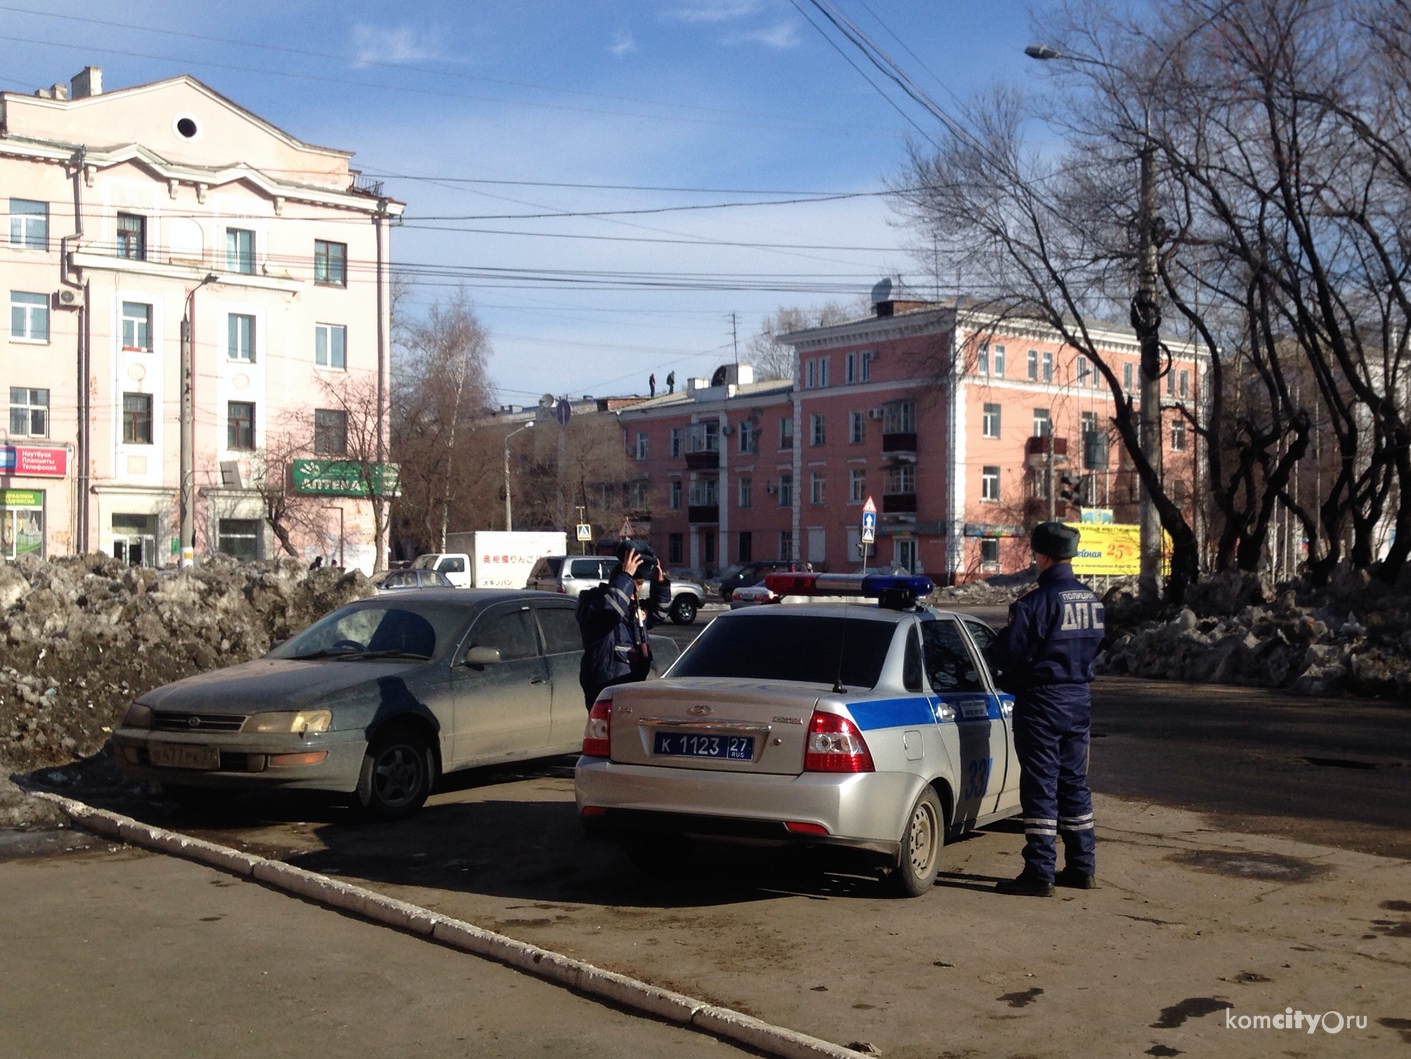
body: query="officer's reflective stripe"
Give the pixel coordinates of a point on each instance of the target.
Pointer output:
(615, 594)
(1075, 819)
(1047, 831)
(1040, 821)
(1077, 827)
(892, 713)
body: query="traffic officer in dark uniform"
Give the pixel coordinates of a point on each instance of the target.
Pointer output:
(614, 618)
(1046, 657)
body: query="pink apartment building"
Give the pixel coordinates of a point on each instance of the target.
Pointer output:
(128, 212)
(961, 453)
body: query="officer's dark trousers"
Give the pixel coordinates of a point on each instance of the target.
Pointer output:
(1051, 737)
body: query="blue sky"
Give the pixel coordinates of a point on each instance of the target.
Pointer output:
(731, 97)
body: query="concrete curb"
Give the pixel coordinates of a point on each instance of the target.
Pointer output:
(458, 934)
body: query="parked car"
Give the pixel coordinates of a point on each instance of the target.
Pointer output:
(569, 575)
(374, 701)
(402, 580)
(746, 575)
(454, 565)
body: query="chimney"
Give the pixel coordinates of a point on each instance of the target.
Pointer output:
(87, 82)
(57, 91)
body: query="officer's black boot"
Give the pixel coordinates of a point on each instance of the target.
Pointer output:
(1025, 885)
(1075, 880)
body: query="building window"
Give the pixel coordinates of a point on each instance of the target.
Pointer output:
(786, 432)
(29, 224)
(29, 316)
(330, 346)
(997, 362)
(868, 356)
(982, 360)
(745, 551)
(857, 485)
(673, 495)
(674, 549)
(641, 444)
(745, 485)
(786, 490)
(703, 437)
(1185, 388)
(1043, 426)
(1178, 491)
(900, 480)
(132, 236)
(137, 326)
(989, 553)
(240, 251)
(330, 263)
(240, 426)
(1178, 435)
(29, 412)
(899, 417)
(240, 337)
(1084, 368)
(822, 372)
(239, 537)
(1170, 383)
(747, 438)
(809, 374)
(330, 432)
(137, 419)
(990, 421)
(1048, 367)
(817, 433)
(857, 428)
(676, 439)
(850, 368)
(816, 485)
(989, 484)
(1034, 364)
(705, 492)
(786, 544)
(1127, 377)
(707, 548)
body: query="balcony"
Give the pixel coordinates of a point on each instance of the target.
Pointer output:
(898, 503)
(704, 460)
(703, 513)
(899, 443)
(1036, 450)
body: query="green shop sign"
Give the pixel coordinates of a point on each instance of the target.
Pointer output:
(345, 478)
(21, 498)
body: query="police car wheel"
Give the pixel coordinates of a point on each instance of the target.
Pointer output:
(921, 845)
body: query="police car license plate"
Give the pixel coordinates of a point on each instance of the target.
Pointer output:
(729, 747)
(184, 757)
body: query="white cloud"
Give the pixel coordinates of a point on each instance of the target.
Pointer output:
(379, 44)
(712, 10)
(783, 35)
(622, 43)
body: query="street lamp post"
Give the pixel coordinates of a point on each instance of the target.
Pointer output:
(509, 523)
(1146, 321)
(187, 530)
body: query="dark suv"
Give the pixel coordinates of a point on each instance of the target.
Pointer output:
(753, 573)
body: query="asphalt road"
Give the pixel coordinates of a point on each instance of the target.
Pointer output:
(187, 961)
(1336, 772)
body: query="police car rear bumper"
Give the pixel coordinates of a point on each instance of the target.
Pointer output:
(864, 810)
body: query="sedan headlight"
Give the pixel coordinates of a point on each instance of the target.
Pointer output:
(303, 722)
(137, 716)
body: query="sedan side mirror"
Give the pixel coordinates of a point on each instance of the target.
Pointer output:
(482, 656)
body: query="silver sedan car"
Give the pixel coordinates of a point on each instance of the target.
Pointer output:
(375, 701)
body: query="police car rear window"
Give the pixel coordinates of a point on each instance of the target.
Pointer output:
(794, 647)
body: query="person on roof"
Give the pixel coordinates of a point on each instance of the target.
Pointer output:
(614, 618)
(1045, 658)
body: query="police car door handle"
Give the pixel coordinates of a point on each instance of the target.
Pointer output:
(538, 680)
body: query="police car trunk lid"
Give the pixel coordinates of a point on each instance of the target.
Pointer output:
(713, 724)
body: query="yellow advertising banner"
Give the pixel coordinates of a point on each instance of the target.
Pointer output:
(1108, 550)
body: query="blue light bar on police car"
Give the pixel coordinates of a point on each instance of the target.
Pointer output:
(870, 586)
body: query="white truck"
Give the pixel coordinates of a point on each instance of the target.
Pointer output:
(492, 558)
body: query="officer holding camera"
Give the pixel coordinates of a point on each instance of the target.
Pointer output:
(614, 618)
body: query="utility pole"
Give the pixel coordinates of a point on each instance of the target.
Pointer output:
(735, 341)
(187, 431)
(1146, 321)
(509, 514)
(1048, 476)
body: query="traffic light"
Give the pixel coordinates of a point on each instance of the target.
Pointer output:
(1069, 491)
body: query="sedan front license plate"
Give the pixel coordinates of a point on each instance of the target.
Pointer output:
(184, 757)
(728, 747)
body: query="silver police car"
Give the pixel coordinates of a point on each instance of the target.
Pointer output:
(875, 728)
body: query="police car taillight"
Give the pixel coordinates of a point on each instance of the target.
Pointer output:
(835, 745)
(595, 734)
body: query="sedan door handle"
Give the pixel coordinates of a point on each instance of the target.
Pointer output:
(538, 680)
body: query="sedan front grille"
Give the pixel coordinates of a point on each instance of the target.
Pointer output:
(197, 722)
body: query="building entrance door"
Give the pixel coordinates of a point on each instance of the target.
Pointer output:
(906, 553)
(135, 539)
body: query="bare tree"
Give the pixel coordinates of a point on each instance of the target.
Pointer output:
(773, 359)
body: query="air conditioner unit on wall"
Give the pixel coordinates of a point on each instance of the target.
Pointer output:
(68, 297)
(874, 413)
(771, 489)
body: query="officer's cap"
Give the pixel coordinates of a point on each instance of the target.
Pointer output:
(642, 548)
(1055, 540)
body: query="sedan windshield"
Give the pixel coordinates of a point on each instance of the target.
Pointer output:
(383, 630)
(783, 646)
